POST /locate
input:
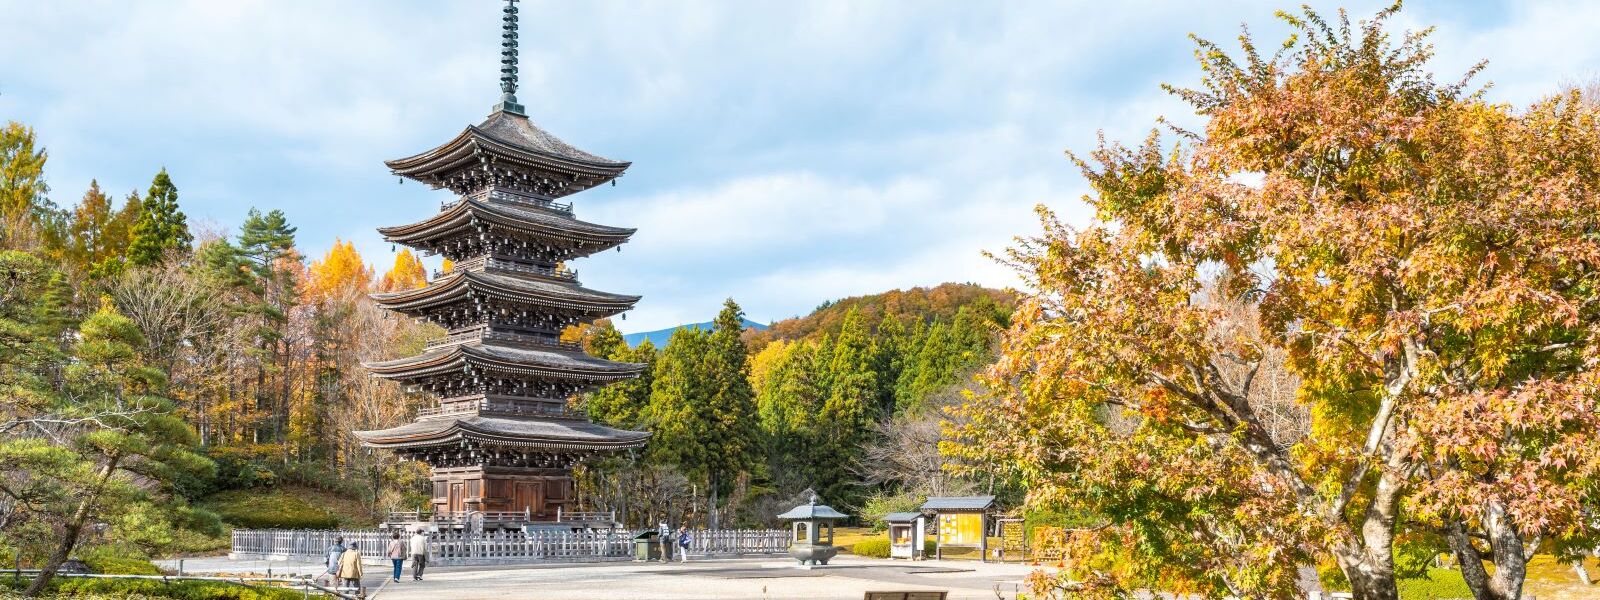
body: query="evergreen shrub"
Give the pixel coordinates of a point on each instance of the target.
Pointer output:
(873, 548)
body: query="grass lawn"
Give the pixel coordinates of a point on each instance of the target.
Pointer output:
(290, 507)
(1550, 580)
(281, 507)
(848, 536)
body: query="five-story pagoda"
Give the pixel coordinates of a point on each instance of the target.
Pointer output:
(503, 439)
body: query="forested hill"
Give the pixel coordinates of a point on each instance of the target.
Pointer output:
(938, 303)
(743, 416)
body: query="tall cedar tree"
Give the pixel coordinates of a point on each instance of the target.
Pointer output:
(161, 227)
(848, 413)
(791, 389)
(732, 401)
(1425, 259)
(702, 411)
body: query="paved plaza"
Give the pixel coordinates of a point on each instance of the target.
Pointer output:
(766, 578)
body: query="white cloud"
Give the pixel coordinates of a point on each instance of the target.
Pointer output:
(785, 153)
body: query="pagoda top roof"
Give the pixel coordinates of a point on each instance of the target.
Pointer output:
(542, 222)
(552, 434)
(454, 286)
(506, 357)
(512, 138)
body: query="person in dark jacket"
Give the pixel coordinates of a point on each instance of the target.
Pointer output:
(683, 544)
(331, 556)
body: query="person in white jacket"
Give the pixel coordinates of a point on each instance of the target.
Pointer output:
(419, 554)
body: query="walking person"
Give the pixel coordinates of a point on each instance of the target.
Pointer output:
(350, 567)
(419, 554)
(332, 558)
(396, 553)
(683, 544)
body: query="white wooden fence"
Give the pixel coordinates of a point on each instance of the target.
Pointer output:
(734, 542)
(504, 546)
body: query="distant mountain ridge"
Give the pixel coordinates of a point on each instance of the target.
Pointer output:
(928, 304)
(659, 337)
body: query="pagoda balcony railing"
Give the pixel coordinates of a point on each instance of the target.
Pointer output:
(514, 198)
(539, 339)
(480, 263)
(501, 407)
(558, 272)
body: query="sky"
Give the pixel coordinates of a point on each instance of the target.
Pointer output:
(784, 153)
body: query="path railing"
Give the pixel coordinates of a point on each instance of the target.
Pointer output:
(504, 546)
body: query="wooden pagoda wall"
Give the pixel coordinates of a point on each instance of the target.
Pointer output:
(540, 492)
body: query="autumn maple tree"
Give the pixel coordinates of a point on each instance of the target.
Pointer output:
(1421, 263)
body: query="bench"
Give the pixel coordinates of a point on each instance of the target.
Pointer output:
(906, 595)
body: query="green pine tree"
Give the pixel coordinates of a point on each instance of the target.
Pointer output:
(265, 241)
(161, 227)
(129, 438)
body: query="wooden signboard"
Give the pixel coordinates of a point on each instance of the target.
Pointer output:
(1013, 543)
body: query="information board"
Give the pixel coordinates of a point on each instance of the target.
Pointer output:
(961, 529)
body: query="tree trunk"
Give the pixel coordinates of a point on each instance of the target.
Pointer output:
(1367, 557)
(1505, 551)
(1370, 570)
(74, 529)
(711, 509)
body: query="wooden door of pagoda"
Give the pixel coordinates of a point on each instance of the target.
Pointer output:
(528, 495)
(457, 498)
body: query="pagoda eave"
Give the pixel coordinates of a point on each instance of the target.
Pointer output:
(548, 364)
(459, 219)
(512, 139)
(459, 285)
(559, 435)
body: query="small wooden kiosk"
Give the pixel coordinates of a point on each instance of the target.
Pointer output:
(907, 532)
(963, 522)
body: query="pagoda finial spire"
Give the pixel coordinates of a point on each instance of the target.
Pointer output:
(508, 61)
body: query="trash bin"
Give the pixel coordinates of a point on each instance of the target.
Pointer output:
(645, 546)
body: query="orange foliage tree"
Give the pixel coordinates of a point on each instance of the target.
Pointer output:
(340, 271)
(406, 274)
(1428, 264)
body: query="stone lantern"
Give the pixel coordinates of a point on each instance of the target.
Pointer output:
(809, 544)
